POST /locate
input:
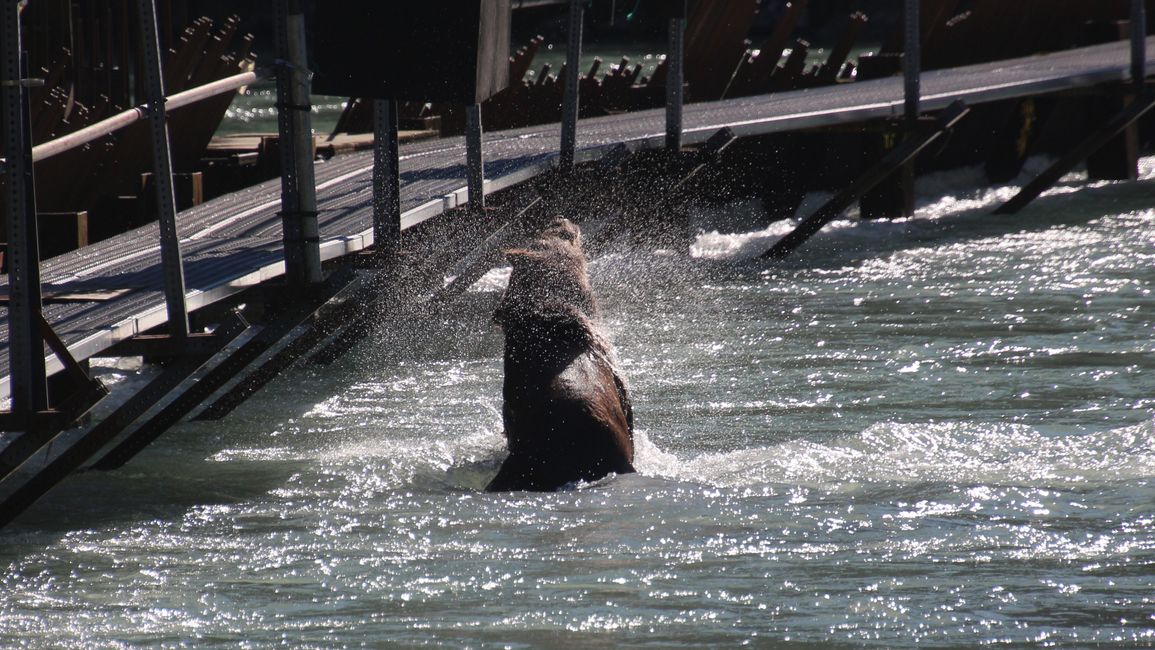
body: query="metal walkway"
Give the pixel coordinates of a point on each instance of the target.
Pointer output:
(113, 290)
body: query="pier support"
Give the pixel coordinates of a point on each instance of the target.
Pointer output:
(1119, 127)
(901, 155)
(1118, 158)
(1092, 143)
(675, 76)
(28, 378)
(299, 307)
(318, 326)
(31, 413)
(1015, 132)
(570, 98)
(80, 395)
(162, 181)
(298, 184)
(911, 61)
(1139, 46)
(893, 197)
(78, 451)
(474, 159)
(386, 178)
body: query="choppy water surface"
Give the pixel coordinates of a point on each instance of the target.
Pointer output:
(935, 432)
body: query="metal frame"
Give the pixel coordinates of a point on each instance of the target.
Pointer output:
(386, 178)
(298, 182)
(474, 159)
(170, 253)
(26, 348)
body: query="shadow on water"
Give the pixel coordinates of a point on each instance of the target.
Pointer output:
(150, 489)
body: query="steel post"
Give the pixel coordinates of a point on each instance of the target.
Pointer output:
(474, 161)
(912, 60)
(25, 347)
(162, 183)
(386, 177)
(675, 67)
(569, 115)
(1138, 44)
(298, 184)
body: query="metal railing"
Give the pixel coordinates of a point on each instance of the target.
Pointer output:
(111, 125)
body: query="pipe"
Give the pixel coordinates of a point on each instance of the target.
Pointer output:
(110, 125)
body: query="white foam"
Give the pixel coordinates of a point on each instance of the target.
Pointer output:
(907, 453)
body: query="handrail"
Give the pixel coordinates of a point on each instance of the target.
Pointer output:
(110, 125)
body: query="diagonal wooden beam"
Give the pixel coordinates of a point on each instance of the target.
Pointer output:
(91, 442)
(899, 156)
(227, 370)
(320, 328)
(1088, 146)
(42, 428)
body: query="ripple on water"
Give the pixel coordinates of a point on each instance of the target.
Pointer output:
(936, 431)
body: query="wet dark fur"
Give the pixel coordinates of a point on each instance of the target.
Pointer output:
(567, 410)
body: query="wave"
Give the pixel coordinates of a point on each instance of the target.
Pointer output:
(914, 453)
(887, 454)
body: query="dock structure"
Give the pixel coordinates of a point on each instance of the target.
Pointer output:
(312, 249)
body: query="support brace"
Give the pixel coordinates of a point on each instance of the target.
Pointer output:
(319, 327)
(226, 371)
(1088, 146)
(899, 156)
(108, 429)
(42, 427)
